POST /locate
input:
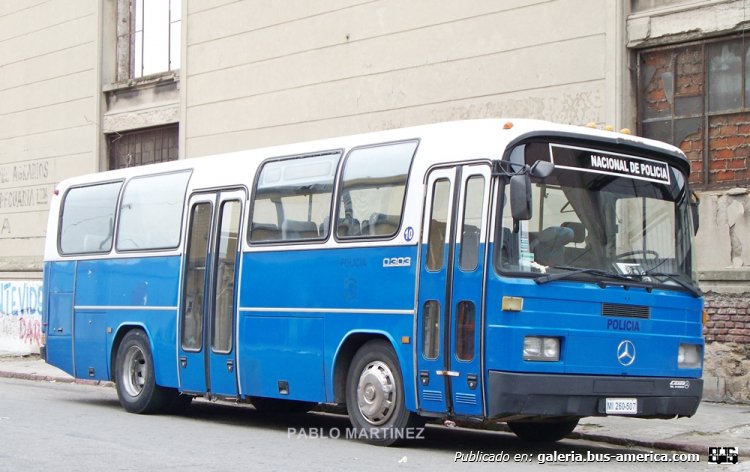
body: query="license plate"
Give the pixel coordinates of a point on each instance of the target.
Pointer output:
(621, 406)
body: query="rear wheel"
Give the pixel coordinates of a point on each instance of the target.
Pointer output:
(543, 431)
(134, 376)
(375, 396)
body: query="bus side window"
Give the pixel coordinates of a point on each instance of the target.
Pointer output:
(197, 255)
(88, 215)
(292, 199)
(151, 212)
(373, 189)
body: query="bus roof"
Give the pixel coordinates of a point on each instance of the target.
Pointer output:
(447, 141)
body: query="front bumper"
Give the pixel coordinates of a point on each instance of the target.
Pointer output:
(512, 394)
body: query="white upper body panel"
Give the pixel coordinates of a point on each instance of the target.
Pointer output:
(470, 140)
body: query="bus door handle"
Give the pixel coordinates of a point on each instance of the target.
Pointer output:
(230, 366)
(183, 362)
(447, 373)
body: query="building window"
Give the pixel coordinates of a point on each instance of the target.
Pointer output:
(145, 146)
(697, 96)
(148, 37)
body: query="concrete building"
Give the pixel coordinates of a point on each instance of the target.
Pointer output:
(91, 85)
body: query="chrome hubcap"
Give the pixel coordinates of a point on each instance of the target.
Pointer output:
(134, 371)
(376, 393)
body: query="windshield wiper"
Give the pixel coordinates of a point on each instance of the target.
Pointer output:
(695, 291)
(578, 270)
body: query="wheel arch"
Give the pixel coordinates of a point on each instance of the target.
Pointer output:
(348, 347)
(120, 333)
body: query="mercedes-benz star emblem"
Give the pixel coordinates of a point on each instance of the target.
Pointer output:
(626, 353)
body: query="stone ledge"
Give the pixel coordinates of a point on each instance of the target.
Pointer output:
(726, 281)
(725, 275)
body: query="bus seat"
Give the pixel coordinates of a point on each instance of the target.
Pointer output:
(297, 229)
(436, 252)
(576, 255)
(323, 228)
(532, 237)
(349, 227)
(264, 232)
(579, 230)
(549, 245)
(469, 245)
(509, 247)
(380, 223)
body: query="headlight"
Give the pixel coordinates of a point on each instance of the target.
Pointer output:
(541, 348)
(689, 356)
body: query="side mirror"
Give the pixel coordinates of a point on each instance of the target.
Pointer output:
(541, 169)
(694, 204)
(520, 197)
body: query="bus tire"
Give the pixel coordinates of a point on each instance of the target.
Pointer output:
(543, 431)
(134, 376)
(375, 396)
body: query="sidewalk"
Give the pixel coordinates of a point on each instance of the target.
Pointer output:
(714, 425)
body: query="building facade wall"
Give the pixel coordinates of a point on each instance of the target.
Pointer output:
(48, 117)
(319, 69)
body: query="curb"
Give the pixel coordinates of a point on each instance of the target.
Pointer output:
(619, 441)
(53, 378)
(600, 438)
(666, 445)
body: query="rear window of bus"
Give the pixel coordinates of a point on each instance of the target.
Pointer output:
(87, 220)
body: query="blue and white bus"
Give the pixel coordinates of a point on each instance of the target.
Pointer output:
(512, 271)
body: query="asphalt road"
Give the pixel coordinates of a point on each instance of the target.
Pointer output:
(47, 426)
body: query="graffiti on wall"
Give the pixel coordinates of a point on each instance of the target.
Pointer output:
(20, 316)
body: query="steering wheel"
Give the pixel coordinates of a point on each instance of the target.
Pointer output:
(645, 252)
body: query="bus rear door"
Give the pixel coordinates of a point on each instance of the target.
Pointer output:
(451, 286)
(207, 344)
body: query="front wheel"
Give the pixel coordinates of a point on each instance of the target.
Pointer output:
(375, 396)
(134, 376)
(543, 431)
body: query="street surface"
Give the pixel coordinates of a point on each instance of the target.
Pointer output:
(48, 426)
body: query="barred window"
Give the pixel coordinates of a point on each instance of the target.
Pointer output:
(143, 146)
(697, 97)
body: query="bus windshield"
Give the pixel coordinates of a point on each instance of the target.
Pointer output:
(601, 215)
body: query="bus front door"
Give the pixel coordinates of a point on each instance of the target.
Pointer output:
(451, 285)
(207, 347)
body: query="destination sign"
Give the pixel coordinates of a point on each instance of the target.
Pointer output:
(593, 160)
